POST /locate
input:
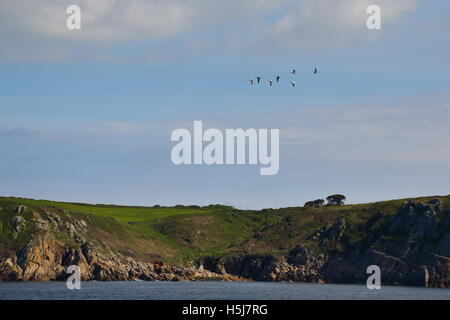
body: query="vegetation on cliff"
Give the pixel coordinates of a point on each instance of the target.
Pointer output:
(222, 237)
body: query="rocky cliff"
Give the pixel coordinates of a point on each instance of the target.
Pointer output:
(411, 248)
(410, 245)
(58, 240)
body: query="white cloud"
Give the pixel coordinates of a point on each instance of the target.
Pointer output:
(313, 24)
(39, 26)
(104, 20)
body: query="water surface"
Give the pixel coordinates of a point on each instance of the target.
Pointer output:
(139, 290)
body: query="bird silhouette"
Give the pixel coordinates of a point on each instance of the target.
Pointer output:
(293, 83)
(251, 82)
(278, 78)
(270, 82)
(294, 71)
(258, 79)
(315, 70)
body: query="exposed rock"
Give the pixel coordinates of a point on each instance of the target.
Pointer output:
(76, 257)
(70, 229)
(337, 230)
(9, 270)
(40, 223)
(415, 220)
(443, 247)
(409, 261)
(40, 259)
(330, 232)
(262, 268)
(436, 203)
(18, 223)
(298, 256)
(45, 258)
(73, 232)
(21, 208)
(53, 218)
(82, 223)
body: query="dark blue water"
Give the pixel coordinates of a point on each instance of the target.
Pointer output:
(138, 290)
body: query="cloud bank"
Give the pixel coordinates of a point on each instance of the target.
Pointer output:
(35, 30)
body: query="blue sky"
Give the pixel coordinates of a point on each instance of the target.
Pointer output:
(87, 115)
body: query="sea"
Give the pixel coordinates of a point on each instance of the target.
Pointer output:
(212, 290)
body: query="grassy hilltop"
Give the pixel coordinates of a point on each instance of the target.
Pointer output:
(185, 233)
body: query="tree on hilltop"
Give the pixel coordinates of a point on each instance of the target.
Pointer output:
(316, 203)
(336, 200)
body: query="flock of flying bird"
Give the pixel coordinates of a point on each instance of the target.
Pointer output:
(278, 78)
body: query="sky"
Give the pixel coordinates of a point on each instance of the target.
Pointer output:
(86, 115)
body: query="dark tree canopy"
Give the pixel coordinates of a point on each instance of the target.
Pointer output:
(309, 204)
(336, 200)
(316, 203)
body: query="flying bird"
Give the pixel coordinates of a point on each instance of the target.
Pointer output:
(278, 78)
(258, 79)
(251, 82)
(315, 70)
(293, 83)
(270, 82)
(294, 71)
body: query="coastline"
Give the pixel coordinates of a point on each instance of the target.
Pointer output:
(411, 245)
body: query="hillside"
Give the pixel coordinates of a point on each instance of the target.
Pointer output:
(409, 238)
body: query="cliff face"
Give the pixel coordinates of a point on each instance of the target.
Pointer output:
(411, 248)
(410, 245)
(58, 240)
(45, 259)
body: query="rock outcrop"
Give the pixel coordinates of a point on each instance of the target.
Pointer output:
(411, 248)
(266, 268)
(45, 259)
(416, 220)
